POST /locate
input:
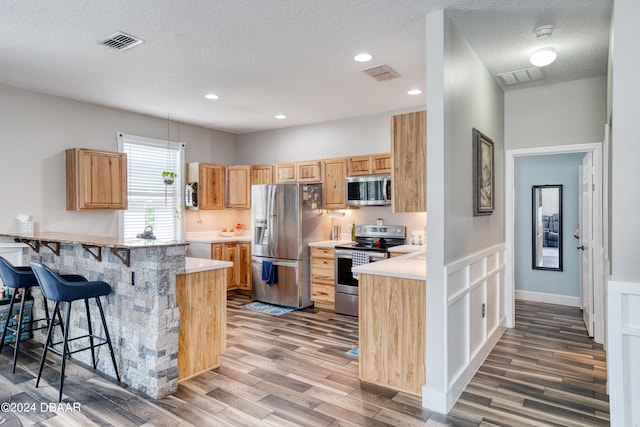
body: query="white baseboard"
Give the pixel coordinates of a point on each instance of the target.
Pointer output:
(548, 298)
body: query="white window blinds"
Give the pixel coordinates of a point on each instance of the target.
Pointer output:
(152, 203)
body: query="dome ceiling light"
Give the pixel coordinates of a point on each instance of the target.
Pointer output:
(545, 55)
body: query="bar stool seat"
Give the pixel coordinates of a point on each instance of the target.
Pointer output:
(59, 289)
(16, 278)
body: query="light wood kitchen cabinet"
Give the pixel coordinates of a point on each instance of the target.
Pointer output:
(96, 179)
(392, 332)
(285, 172)
(370, 164)
(310, 171)
(323, 277)
(335, 172)
(238, 275)
(262, 174)
(211, 183)
(202, 301)
(238, 188)
(244, 268)
(381, 163)
(409, 159)
(230, 253)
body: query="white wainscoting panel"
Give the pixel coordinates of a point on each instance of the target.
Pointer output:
(623, 352)
(471, 283)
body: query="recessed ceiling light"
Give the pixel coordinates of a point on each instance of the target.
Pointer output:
(414, 92)
(543, 56)
(281, 117)
(363, 57)
(212, 96)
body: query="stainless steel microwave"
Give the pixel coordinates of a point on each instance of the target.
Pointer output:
(370, 190)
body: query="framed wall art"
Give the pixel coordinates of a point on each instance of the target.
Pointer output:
(483, 174)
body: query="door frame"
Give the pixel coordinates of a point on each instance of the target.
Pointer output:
(598, 249)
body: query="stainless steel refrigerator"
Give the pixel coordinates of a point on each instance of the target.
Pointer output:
(284, 219)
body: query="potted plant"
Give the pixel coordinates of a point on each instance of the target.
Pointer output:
(168, 177)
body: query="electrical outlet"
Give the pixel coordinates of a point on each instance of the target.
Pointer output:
(484, 309)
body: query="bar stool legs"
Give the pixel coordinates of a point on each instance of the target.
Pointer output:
(20, 321)
(49, 345)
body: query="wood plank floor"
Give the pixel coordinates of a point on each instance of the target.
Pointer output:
(293, 370)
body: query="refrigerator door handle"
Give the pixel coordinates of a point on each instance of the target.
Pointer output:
(292, 264)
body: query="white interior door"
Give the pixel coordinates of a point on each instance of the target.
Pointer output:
(586, 241)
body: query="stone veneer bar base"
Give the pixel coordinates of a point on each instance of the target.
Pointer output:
(142, 312)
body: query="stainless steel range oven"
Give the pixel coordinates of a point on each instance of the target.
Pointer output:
(372, 241)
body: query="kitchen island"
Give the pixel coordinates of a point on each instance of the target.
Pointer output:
(142, 311)
(392, 322)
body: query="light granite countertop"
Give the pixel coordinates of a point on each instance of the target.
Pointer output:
(216, 237)
(195, 265)
(410, 266)
(406, 248)
(329, 243)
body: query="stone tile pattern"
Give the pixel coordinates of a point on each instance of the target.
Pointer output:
(142, 315)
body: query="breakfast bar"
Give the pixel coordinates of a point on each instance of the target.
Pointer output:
(143, 310)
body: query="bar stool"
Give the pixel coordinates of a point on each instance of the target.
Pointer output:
(56, 288)
(16, 278)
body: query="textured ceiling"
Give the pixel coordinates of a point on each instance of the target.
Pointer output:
(265, 57)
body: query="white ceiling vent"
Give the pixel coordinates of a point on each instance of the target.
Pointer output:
(121, 41)
(382, 73)
(521, 76)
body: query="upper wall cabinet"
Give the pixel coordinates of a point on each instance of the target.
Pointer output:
(262, 174)
(409, 160)
(310, 171)
(96, 179)
(307, 171)
(210, 178)
(238, 191)
(335, 171)
(285, 172)
(371, 164)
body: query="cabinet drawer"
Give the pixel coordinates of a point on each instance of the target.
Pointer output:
(324, 276)
(323, 293)
(322, 253)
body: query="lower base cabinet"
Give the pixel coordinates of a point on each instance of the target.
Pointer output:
(323, 278)
(238, 276)
(392, 332)
(202, 301)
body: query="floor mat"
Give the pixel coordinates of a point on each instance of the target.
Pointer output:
(261, 307)
(355, 351)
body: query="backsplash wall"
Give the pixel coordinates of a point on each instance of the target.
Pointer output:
(216, 220)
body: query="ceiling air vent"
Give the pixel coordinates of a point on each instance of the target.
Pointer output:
(382, 73)
(522, 76)
(121, 41)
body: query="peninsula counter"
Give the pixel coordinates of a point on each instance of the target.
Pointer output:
(142, 311)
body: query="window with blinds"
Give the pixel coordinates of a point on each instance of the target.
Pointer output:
(152, 203)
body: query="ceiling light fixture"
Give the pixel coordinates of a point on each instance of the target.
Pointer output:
(212, 96)
(414, 92)
(363, 57)
(281, 117)
(543, 56)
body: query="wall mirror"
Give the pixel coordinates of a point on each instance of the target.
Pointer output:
(546, 234)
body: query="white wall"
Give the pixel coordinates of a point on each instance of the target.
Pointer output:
(624, 287)
(37, 128)
(465, 262)
(559, 114)
(347, 137)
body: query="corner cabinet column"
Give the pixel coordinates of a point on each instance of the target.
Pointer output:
(409, 162)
